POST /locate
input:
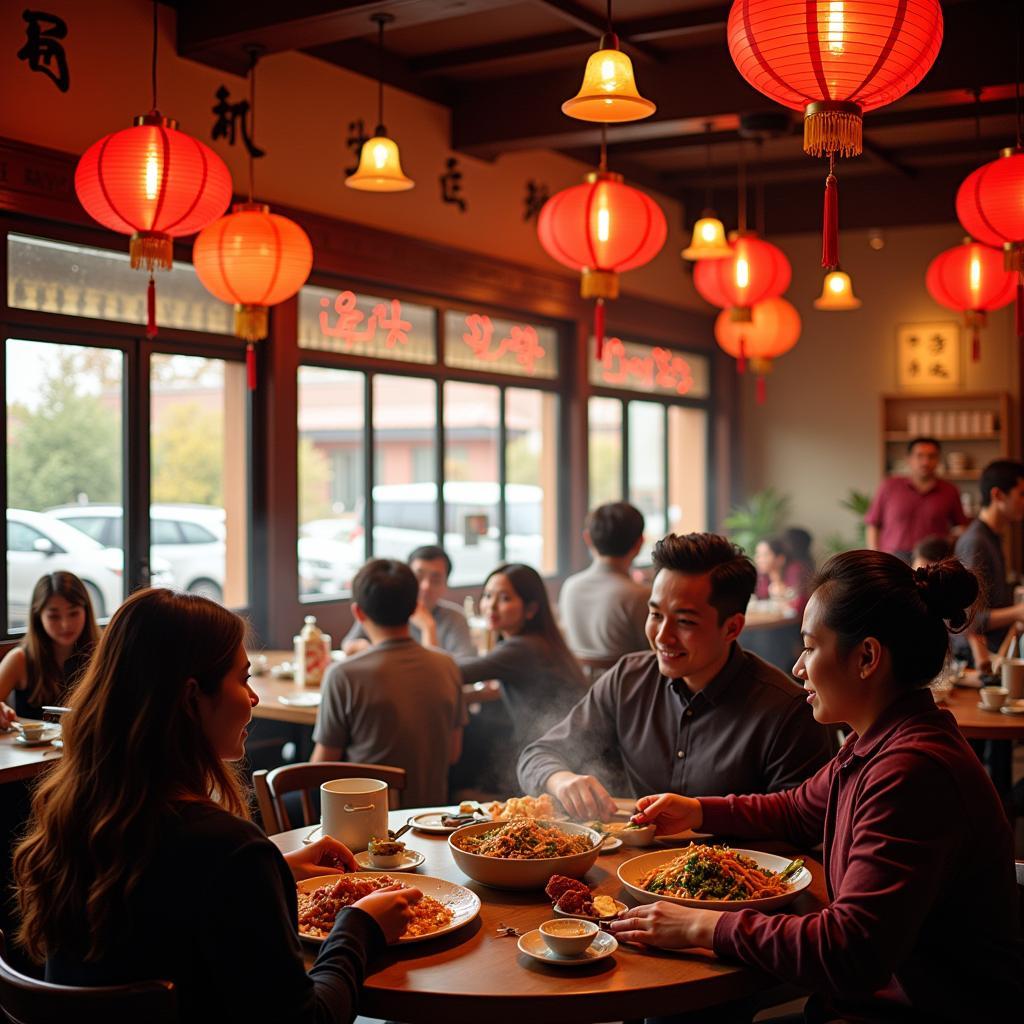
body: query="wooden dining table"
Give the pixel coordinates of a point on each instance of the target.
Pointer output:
(22, 762)
(982, 724)
(478, 974)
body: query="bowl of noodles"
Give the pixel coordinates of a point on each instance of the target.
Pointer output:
(524, 853)
(714, 878)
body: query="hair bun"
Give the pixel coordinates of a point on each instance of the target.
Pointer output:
(948, 589)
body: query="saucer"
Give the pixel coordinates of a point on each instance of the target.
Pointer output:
(620, 908)
(1013, 707)
(44, 741)
(985, 707)
(533, 945)
(610, 843)
(301, 700)
(411, 860)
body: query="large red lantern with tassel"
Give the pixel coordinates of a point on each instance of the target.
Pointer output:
(601, 228)
(254, 259)
(773, 329)
(755, 271)
(154, 183)
(971, 279)
(834, 61)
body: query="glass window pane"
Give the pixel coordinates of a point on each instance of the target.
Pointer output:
(332, 486)
(531, 471)
(64, 449)
(475, 341)
(647, 470)
(471, 528)
(366, 325)
(687, 470)
(199, 475)
(405, 465)
(605, 447)
(78, 280)
(653, 369)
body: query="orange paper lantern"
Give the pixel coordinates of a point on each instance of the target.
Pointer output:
(773, 330)
(971, 279)
(755, 271)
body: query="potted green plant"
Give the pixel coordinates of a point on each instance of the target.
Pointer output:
(760, 516)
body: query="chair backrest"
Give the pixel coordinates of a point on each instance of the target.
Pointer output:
(23, 1000)
(594, 668)
(308, 777)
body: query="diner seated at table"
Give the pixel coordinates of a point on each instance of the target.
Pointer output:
(603, 609)
(397, 702)
(784, 568)
(923, 920)
(694, 713)
(431, 566)
(140, 861)
(59, 637)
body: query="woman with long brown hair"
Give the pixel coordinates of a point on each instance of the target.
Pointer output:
(139, 860)
(59, 638)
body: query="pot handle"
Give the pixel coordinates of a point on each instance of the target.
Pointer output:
(350, 809)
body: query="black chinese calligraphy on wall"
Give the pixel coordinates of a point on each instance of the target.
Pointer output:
(928, 355)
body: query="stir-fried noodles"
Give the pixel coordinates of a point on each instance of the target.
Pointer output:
(713, 873)
(526, 839)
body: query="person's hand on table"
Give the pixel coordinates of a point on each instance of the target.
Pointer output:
(582, 796)
(391, 908)
(424, 621)
(7, 716)
(324, 857)
(670, 812)
(666, 924)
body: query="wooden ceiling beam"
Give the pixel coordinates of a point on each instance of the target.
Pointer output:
(583, 18)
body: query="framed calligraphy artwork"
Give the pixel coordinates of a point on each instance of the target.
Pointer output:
(928, 356)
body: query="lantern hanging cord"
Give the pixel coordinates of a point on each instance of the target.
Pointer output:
(1016, 86)
(741, 196)
(759, 191)
(707, 166)
(153, 62)
(603, 164)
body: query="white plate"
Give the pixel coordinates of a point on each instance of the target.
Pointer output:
(44, 741)
(610, 843)
(533, 945)
(301, 700)
(431, 822)
(619, 908)
(411, 860)
(985, 707)
(631, 871)
(463, 903)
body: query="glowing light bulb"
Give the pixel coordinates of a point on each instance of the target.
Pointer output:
(975, 274)
(152, 175)
(608, 75)
(604, 223)
(380, 155)
(836, 284)
(834, 34)
(742, 273)
(708, 232)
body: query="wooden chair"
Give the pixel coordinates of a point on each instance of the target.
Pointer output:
(594, 668)
(272, 786)
(24, 1000)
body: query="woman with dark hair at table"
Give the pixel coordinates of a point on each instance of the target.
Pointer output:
(140, 861)
(922, 922)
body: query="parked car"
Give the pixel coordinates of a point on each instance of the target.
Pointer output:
(189, 537)
(38, 544)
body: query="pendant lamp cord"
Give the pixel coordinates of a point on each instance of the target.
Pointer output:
(609, 17)
(707, 166)
(741, 191)
(153, 69)
(381, 21)
(759, 190)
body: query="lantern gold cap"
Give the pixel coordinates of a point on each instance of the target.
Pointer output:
(608, 92)
(154, 117)
(708, 241)
(380, 167)
(837, 293)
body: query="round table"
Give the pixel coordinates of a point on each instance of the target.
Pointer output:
(978, 724)
(475, 974)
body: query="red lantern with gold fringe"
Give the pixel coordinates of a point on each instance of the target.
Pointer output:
(600, 229)
(773, 329)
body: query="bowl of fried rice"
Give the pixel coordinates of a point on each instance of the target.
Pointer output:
(524, 853)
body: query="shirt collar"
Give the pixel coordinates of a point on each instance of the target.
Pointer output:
(910, 704)
(716, 690)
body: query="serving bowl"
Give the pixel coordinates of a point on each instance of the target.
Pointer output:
(504, 873)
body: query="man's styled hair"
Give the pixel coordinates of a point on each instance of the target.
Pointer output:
(923, 440)
(386, 590)
(614, 528)
(1004, 474)
(431, 553)
(732, 573)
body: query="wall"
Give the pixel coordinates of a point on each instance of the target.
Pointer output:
(304, 107)
(817, 435)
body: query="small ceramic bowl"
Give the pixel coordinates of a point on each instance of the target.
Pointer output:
(387, 856)
(568, 936)
(643, 836)
(32, 733)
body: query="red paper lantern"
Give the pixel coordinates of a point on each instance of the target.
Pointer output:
(756, 270)
(601, 228)
(834, 61)
(773, 330)
(990, 205)
(971, 279)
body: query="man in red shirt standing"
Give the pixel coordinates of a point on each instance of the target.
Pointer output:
(909, 508)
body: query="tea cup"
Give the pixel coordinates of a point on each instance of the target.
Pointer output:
(994, 697)
(32, 731)
(568, 936)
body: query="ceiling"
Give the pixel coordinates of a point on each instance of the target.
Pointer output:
(504, 67)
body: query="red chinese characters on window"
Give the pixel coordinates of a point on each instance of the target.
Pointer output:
(661, 369)
(350, 328)
(520, 341)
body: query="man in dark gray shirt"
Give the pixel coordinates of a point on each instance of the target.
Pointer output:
(695, 715)
(431, 566)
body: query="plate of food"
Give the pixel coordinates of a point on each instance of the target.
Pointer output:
(541, 807)
(572, 898)
(524, 853)
(715, 878)
(444, 908)
(444, 821)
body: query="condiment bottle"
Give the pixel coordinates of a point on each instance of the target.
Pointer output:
(309, 654)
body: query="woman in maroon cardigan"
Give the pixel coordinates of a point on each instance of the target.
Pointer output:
(922, 921)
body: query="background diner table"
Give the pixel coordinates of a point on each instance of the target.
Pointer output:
(20, 762)
(474, 974)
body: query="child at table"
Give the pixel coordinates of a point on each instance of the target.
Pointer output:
(922, 922)
(60, 636)
(140, 861)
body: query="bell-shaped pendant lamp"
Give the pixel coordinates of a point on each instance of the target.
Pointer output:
(608, 93)
(380, 166)
(837, 292)
(708, 241)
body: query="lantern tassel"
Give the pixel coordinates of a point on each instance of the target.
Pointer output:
(741, 359)
(599, 327)
(250, 366)
(151, 308)
(975, 344)
(830, 231)
(1020, 306)
(762, 390)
